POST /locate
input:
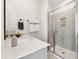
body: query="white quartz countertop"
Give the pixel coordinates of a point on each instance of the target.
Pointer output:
(29, 46)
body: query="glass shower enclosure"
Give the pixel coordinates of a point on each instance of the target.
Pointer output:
(62, 31)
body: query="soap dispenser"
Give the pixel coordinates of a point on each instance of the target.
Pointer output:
(20, 24)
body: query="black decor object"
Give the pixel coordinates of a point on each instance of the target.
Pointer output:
(20, 24)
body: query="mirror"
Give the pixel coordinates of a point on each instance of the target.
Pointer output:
(13, 21)
(18, 13)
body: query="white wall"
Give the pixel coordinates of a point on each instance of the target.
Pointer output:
(44, 19)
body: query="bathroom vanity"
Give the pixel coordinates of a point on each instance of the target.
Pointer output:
(27, 47)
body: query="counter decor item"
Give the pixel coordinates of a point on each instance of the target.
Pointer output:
(17, 34)
(14, 41)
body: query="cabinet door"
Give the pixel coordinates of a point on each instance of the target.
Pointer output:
(41, 54)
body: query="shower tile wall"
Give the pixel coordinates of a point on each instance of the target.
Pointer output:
(65, 36)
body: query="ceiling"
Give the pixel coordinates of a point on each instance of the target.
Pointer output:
(55, 3)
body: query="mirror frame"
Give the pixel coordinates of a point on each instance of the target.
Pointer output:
(4, 19)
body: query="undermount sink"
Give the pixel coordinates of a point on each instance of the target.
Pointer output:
(21, 40)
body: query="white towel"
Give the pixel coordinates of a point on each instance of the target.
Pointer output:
(34, 26)
(37, 27)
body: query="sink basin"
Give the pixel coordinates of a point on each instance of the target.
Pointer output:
(21, 40)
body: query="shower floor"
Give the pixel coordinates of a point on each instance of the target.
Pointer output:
(53, 56)
(68, 54)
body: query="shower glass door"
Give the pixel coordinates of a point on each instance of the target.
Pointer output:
(65, 39)
(51, 37)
